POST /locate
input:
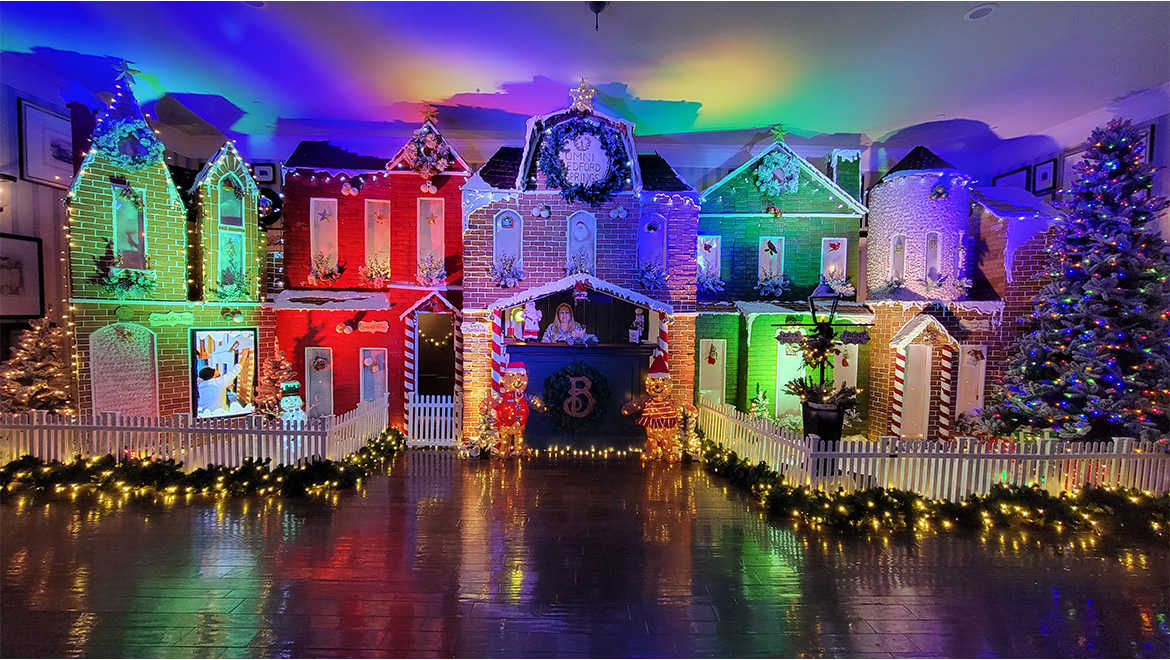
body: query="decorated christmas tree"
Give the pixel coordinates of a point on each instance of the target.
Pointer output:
(36, 377)
(1097, 364)
(274, 372)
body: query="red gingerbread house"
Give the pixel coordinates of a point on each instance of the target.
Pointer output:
(373, 267)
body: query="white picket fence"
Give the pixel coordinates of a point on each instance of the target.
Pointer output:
(195, 442)
(430, 421)
(937, 469)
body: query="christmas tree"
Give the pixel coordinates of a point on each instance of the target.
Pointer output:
(274, 372)
(1097, 364)
(35, 377)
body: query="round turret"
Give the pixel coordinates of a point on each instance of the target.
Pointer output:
(918, 231)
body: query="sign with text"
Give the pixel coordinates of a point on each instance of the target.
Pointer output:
(584, 160)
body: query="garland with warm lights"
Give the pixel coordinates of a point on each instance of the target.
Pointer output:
(141, 476)
(594, 194)
(1101, 510)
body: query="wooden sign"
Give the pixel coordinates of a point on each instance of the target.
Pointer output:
(158, 319)
(373, 326)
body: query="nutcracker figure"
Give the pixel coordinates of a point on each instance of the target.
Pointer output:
(511, 407)
(659, 415)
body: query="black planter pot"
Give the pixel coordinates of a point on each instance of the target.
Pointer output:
(823, 419)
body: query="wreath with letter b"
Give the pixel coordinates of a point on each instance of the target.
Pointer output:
(576, 397)
(564, 135)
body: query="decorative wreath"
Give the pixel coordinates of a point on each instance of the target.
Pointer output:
(556, 391)
(108, 141)
(550, 164)
(778, 174)
(427, 153)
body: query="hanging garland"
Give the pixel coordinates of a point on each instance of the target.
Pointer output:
(574, 404)
(778, 174)
(553, 167)
(108, 143)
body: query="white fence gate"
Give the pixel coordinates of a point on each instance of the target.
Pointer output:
(196, 442)
(430, 421)
(936, 469)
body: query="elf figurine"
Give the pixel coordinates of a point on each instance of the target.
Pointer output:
(511, 407)
(659, 416)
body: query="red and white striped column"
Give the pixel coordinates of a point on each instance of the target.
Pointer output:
(458, 401)
(899, 392)
(946, 372)
(408, 369)
(664, 337)
(497, 350)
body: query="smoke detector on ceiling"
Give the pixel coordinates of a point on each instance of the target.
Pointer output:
(979, 12)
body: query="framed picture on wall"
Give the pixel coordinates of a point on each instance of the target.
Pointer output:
(1044, 177)
(1068, 166)
(46, 146)
(1146, 139)
(264, 172)
(22, 293)
(1014, 179)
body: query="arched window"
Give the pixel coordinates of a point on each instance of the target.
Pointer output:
(230, 255)
(932, 255)
(129, 226)
(581, 247)
(652, 239)
(507, 236)
(898, 258)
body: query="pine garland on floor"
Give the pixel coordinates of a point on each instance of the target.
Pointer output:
(140, 476)
(1115, 511)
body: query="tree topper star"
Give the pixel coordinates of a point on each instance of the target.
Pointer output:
(778, 132)
(430, 113)
(582, 96)
(126, 72)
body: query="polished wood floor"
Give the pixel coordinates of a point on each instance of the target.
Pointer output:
(547, 558)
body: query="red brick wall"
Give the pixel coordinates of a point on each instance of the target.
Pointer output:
(401, 190)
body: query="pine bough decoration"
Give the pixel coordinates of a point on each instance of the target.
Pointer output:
(117, 281)
(778, 174)
(507, 271)
(431, 270)
(839, 284)
(708, 280)
(375, 272)
(651, 274)
(324, 270)
(550, 163)
(579, 263)
(1097, 364)
(772, 284)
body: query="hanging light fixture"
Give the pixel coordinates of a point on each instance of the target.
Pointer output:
(596, 8)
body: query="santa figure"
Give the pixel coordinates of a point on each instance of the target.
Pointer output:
(659, 415)
(511, 406)
(532, 317)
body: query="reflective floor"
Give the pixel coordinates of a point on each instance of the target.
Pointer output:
(552, 557)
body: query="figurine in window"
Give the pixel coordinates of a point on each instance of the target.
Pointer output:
(532, 317)
(565, 328)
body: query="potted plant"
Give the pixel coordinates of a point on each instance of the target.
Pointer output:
(823, 407)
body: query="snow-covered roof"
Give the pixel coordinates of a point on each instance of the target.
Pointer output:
(1011, 203)
(433, 295)
(213, 162)
(566, 283)
(917, 326)
(332, 300)
(805, 166)
(854, 312)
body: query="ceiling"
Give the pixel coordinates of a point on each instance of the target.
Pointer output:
(284, 71)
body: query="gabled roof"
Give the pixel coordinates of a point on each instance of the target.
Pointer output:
(566, 283)
(459, 167)
(806, 167)
(431, 295)
(659, 176)
(322, 155)
(919, 160)
(228, 148)
(915, 327)
(500, 170)
(536, 126)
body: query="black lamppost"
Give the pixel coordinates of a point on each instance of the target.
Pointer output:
(822, 303)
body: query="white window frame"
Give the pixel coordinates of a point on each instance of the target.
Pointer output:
(571, 245)
(371, 249)
(309, 378)
(142, 220)
(721, 347)
(659, 237)
(966, 372)
(936, 252)
(314, 231)
(894, 257)
(441, 252)
(853, 352)
(825, 253)
(718, 251)
(365, 374)
(961, 250)
(779, 258)
(518, 228)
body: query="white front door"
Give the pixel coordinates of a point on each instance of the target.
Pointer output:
(916, 404)
(789, 365)
(319, 381)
